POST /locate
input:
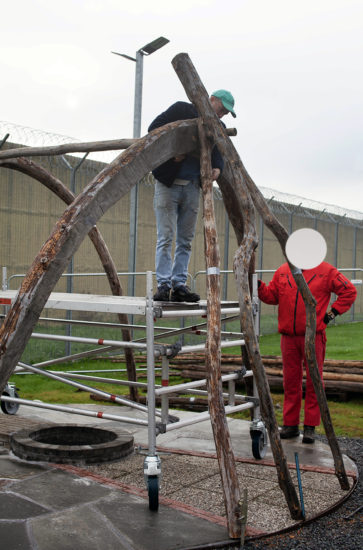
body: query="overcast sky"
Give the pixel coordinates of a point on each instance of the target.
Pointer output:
(294, 68)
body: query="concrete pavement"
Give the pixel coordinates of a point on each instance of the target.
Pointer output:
(46, 506)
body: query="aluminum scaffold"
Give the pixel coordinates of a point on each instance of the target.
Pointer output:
(157, 420)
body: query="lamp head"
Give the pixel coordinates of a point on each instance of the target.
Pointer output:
(154, 45)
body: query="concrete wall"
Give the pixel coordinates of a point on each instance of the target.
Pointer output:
(28, 213)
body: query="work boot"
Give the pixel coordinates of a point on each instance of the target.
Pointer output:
(183, 294)
(162, 294)
(309, 434)
(287, 432)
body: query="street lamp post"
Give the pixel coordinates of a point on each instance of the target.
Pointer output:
(148, 49)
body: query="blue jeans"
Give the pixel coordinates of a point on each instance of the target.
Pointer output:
(176, 211)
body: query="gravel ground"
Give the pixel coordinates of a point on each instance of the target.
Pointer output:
(339, 530)
(330, 532)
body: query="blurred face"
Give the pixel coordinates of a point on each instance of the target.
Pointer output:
(218, 107)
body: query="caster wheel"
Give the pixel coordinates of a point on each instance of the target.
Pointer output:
(153, 491)
(258, 445)
(7, 407)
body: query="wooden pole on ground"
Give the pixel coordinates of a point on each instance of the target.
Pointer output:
(198, 95)
(222, 438)
(237, 194)
(310, 354)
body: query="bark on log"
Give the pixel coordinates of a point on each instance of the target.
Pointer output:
(113, 182)
(340, 378)
(340, 363)
(275, 381)
(241, 213)
(331, 386)
(64, 148)
(310, 304)
(268, 359)
(222, 437)
(86, 147)
(326, 375)
(279, 231)
(278, 372)
(38, 173)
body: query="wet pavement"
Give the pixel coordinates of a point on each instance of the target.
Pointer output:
(46, 506)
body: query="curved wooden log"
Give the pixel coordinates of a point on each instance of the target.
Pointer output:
(113, 182)
(37, 172)
(241, 206)
(222, 437)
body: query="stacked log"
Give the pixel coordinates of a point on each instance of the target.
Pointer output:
(341, 376)
(338, 375)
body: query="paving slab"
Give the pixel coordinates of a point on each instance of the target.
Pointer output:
(162, 530)
(106, 506)
(56, 489)
(14, 535)
(13, 468)
(81, 528)
(13, 506)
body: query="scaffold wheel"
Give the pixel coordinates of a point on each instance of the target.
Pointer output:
(258, 444)
(7, 407)
(153, 491)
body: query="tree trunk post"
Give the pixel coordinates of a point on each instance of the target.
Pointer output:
(222, 438)
(310, 307)
(236, 194)
(198, 95)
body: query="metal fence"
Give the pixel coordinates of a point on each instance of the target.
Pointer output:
(28, 213)
(106, 327)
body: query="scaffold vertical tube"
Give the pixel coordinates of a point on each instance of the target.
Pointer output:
(150, 364)
(164, 383)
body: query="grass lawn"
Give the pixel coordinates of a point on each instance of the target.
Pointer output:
(344, 342)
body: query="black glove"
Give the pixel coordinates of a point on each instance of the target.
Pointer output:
(259, 283)
(330, 315)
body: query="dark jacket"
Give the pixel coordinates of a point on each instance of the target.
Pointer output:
(322, 280)
(167, 172)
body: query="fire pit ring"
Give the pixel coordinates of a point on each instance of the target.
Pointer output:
(71, 444)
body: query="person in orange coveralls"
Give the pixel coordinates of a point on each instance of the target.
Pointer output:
(322, 280)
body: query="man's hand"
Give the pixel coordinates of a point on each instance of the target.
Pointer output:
(330, 315)
(215, 173)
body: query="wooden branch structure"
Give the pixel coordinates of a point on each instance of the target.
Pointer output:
(243, 211)
(242, 208)
(222, 438)
(241, 196)
(85, 147)
(65, 148)
(112, 183)
(37, 172)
